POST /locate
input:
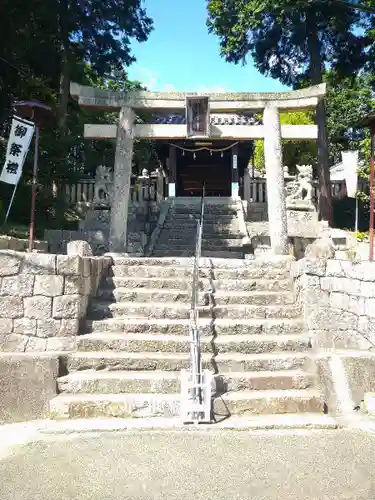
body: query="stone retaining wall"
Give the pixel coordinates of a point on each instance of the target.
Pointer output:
(21, 244)
(43, 297)
(338, 299)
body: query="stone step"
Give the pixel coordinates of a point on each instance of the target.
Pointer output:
(210, 218)
(149, 295)
(153, 361)
(208, 210)
(191, 226)
(276, 262)
(262, 298)
(143, 342)
(166, 405)
(207, 327)
(102, 310)
(222, 254)
(181, 235)
(243, 272)
(122, 294)
(214, 244)
(270, 402)
(167, 382)
(204, 284)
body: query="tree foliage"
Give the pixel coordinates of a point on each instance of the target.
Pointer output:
(294, 152)
(45, 46)
(295, 41)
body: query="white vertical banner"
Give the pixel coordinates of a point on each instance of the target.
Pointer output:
(350, 164)
(20, 137)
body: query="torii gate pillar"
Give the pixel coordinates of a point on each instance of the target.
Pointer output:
(121, 181)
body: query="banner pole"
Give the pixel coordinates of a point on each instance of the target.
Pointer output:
(33, 190)
(10, 205)
(356, 218)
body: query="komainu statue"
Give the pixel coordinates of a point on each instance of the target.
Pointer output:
(301, 189)
(103, 186)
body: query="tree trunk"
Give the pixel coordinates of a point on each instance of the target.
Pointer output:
(316, 75)
(64, 91)
(65, 69)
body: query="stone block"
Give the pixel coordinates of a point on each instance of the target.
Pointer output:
(49, 285)
(366, 325)
(77, 285)
(70, 265)
(6, 326)
(327, 318)
(367, 289)
(20, 285)
(10, 262)
(36, 344)
(24, 326)
(69, 306)
(81, 248)
(346, 285)
(28, 383)
(11, 307)
(38, 307)
(339, 339)
(316, 297)
(339, 300)
(364, 271)
(326, 283)
(61, 344)
(370, 308)
(39, 263)
(46, 328)
(339, 268)
(14, 343)
(69, 327)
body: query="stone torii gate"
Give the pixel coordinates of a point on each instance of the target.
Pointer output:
(271, 131)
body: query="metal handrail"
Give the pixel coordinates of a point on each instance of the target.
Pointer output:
(195, 349)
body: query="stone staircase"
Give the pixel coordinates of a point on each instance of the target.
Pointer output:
(128, 361)
(221, 237)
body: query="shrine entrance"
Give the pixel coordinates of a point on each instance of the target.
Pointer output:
(219, 165)
(203, 167)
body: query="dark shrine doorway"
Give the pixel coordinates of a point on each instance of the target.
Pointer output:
(203, 167)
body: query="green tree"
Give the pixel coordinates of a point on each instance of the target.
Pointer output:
(293, 41)
(348, 100)
(37, 63)
(99, 32)
(294, 152)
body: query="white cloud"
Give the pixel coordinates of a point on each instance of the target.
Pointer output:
(147, 77)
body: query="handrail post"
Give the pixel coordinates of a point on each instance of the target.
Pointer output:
(197, 383)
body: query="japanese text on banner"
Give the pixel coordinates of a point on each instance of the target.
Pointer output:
(20, 137)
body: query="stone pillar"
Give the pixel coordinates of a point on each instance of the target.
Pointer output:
(160, 185)
(172, 172)
(275, 180)
(121, 181)
(247, 185)
(235, 192)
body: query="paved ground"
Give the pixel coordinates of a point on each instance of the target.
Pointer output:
(222, 465)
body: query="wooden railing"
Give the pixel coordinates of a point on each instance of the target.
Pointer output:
(258, 190)
(154, 189)
(142, 189)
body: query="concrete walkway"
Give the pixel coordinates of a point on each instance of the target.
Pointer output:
(187, 465)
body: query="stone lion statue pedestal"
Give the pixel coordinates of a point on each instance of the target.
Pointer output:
(301, 211)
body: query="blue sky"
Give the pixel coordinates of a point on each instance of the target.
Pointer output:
(181, 55)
